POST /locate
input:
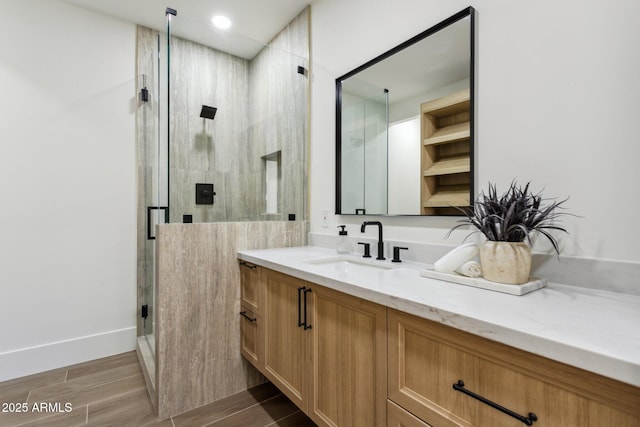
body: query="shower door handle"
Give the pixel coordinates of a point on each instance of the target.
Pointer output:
(155, 208)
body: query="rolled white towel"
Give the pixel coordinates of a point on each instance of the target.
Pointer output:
(456, 257)
(470, 269)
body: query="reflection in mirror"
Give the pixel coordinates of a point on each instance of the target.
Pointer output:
(364, 146)
(404, 136)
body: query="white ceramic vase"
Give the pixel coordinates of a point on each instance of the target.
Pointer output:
(506, 262)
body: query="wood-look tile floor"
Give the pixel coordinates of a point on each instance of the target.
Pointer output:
(112, 392)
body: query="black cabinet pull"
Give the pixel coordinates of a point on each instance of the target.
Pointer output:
(250, 319)
(300, 322)
(248, 265)
(306, 324)
(459, 386)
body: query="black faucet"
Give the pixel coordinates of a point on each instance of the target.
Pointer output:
(380, 241)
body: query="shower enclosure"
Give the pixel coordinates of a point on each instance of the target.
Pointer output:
(220, 138)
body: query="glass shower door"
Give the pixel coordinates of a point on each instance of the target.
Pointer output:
(152, 181)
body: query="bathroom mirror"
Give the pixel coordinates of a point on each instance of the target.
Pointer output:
(404, 126)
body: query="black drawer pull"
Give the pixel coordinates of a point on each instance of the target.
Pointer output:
(306, 324)
(248, 264)
(459, 386)
(250, 319)
(300, 322)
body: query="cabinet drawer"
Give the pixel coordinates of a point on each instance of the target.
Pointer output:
(426, 360)
(398, 417)
(250, 279)
(250, 345)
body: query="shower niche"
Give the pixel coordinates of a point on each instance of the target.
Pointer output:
(272, 166)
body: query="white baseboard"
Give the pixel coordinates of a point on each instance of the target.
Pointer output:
(32, 360)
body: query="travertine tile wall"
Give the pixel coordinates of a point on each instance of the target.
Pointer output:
(278, 112)
(202, 150)
(198, 357)
(262, 109)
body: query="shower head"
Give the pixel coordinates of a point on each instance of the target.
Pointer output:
(208, 112)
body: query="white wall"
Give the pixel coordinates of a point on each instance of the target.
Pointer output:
(67, 186)
(404, 167)
(556, 91)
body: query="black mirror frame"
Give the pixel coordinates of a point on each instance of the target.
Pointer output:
(470, 12)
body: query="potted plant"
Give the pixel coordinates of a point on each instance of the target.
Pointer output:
(507, 222)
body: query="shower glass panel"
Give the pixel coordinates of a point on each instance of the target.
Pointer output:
(365, 117)
(153, 178)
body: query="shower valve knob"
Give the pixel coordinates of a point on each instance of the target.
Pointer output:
(204, 194)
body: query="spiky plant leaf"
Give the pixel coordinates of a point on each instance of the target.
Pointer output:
(513, 216)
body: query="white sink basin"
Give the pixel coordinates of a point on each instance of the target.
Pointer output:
(345, 264)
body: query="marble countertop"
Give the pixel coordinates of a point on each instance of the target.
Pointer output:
(595, 330)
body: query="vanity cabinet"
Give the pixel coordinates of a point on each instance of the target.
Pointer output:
(426, 360)
(325, 350)
(349, 362)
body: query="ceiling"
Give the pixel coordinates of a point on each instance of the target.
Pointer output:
(255, 22)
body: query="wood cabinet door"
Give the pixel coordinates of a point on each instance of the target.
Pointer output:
(250, 337)
(286, 344)
(250, 287)
(349, 360)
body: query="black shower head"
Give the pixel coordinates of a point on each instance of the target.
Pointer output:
(208, 112)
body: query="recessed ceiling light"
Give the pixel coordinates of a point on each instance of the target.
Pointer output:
(220, 21)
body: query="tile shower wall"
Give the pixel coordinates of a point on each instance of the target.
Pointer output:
(278, 111)
(262, 110)
(203, 150)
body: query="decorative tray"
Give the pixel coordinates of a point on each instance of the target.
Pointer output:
(533, 284)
